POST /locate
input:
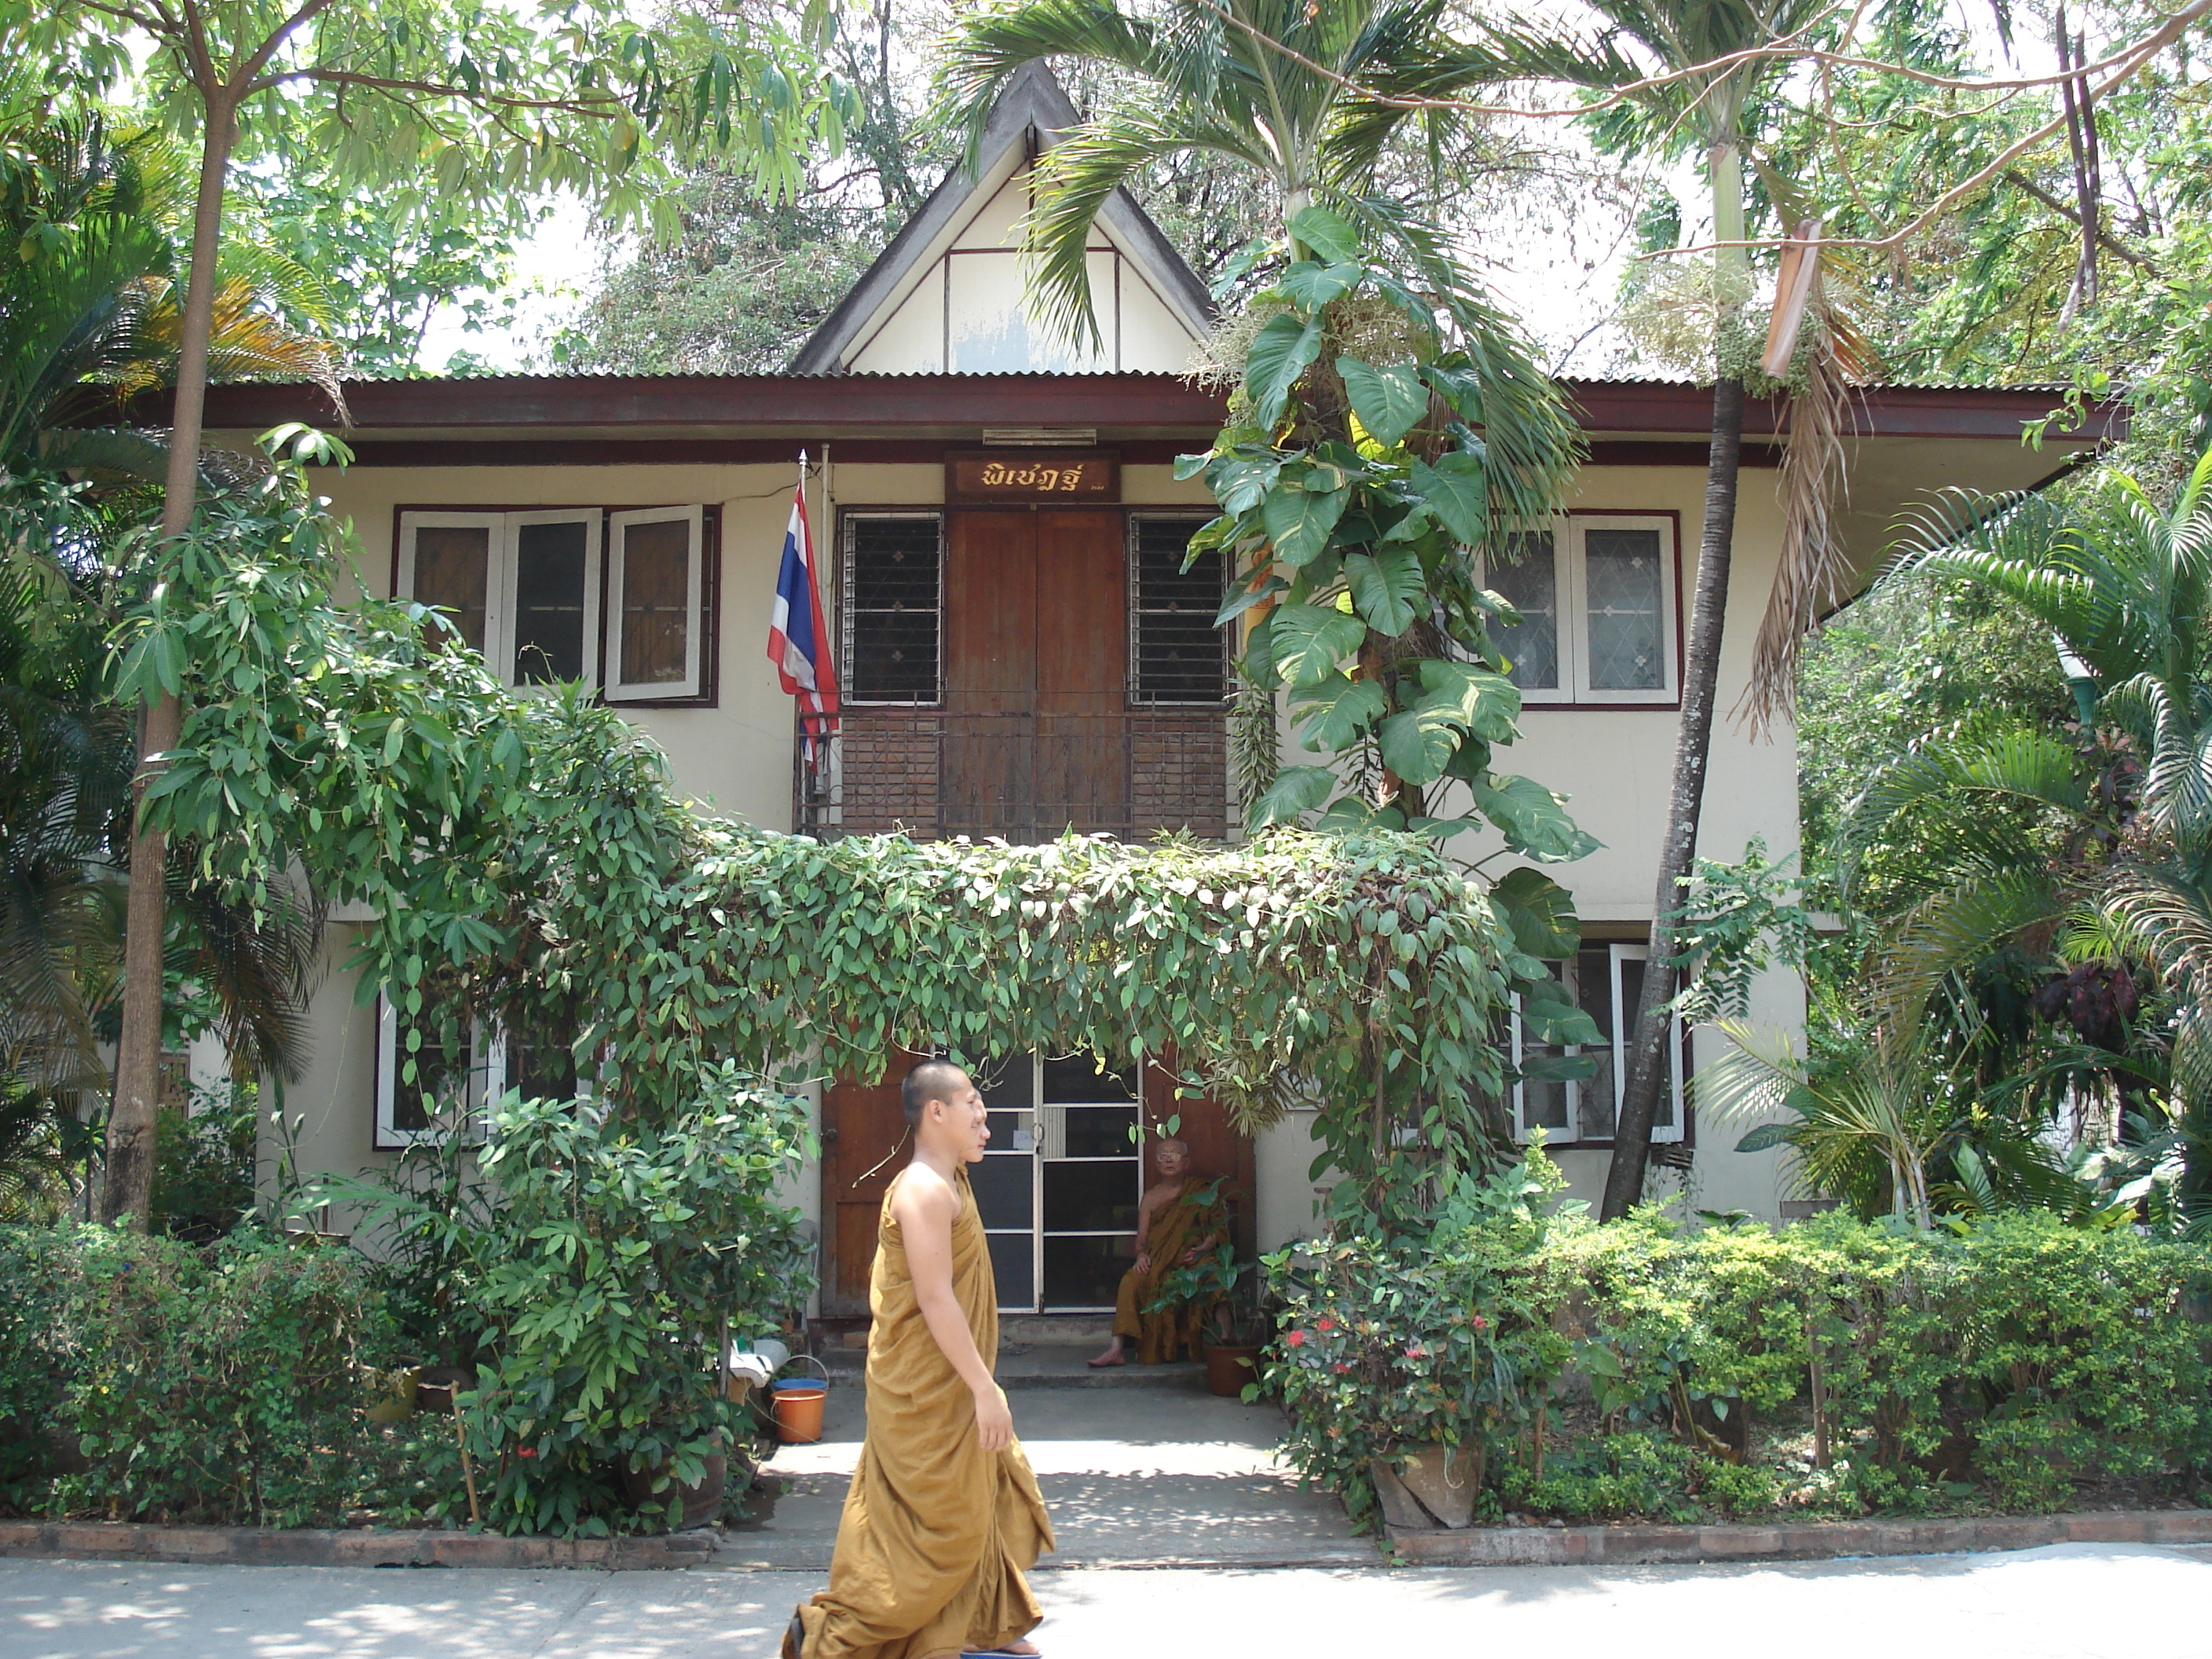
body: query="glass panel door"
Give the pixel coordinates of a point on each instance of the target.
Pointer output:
(1005, 1183)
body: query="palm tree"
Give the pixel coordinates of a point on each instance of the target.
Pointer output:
(1715, 105)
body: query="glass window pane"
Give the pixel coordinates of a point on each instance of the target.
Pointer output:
(1081, 1078)
(549, 603)
(1624, 584)
(452, 568)
(1082, 1272)
(542, 1071)
(1006, 1085)
(1098, 1132)
(1014, 1269)
(656, 603)
(1179, 656)
(1599, 1093)
(1531, 585)
(1004, 1188)
(441, 1079)
(1631, 992)
(1091, 1197)
(893, 570)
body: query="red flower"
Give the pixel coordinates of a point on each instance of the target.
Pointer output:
(525, 1451)
(1339, 1368)
(1294, 1339)
(1415, 1350)
(1479, 1323)
(1324, 1323)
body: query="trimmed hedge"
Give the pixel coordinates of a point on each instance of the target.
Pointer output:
(1996, 1366)
(146, 1379)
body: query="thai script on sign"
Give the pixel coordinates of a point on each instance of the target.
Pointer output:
(998, 475)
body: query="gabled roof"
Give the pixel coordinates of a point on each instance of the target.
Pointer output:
(1028, 119)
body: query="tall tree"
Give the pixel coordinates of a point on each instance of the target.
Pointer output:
(487, 99)
(1672, 65)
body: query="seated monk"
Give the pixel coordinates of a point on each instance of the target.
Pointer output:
(1180, 1218)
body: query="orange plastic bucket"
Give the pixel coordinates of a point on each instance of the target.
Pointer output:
(799, 1412)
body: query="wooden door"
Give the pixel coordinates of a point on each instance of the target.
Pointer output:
(1035, 670)
(863, 1131)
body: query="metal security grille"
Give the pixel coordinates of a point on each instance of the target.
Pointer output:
(894, 608)
(1177, 653)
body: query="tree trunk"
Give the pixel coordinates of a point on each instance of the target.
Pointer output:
(1647, 1055)
(129, 1179)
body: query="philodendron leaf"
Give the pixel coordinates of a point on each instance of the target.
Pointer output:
(1296, 789)
(1556, 1022)
(1482, 700)
(1387, 587)
(1540, 912)
(1339, 709)
(1418, 744)
(1298, 520)
(1239, 482)
(1558, 1068)
(1457, 493)
(1533, 819)
(1327, 233)
(1243, 598)
(1280, 353)
(1309, 285)
(1389, 401)
(1310, 640)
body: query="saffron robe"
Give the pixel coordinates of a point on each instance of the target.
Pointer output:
(1186, 1219)
(936, 1532)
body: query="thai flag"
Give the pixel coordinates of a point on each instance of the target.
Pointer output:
(798, 638)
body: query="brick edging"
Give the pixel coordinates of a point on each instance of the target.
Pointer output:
(311, 1546)
(1529, 1546)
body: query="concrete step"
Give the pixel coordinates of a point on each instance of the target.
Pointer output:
(1052, 1365)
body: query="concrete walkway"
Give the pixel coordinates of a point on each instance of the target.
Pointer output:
(2067, 1601)
(1138, 1466)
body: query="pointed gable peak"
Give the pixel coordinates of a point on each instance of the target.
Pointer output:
(948, 295)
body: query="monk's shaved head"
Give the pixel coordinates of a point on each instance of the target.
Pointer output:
(933, 1079)
(1165, 1142)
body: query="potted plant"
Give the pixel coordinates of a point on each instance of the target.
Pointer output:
(1234, 1328)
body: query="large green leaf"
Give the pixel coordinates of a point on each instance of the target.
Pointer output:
(1418, 743)
(1339, 709)
(1327, 233)
(1240, 481)
(1482, 700)
(1388, 401)
(1296, 789)
(1533, 819)
(1309, 285)
(1559, 1068)
(1546, 1021)
(1766, 1137)
(1540, 912)
(1280, 352)
(1387, 587)
(1310, 640)
(1298, 520)
(1456, 492)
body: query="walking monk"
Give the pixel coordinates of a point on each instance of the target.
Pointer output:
(944, 1516)
(1179, 1219)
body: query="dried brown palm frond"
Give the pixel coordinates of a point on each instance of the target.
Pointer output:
(1813, 574)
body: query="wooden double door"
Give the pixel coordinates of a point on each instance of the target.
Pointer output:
(1035, 727)
(1057, 1191)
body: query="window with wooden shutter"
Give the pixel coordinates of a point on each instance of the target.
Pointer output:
(656, 590)
(1178, 653)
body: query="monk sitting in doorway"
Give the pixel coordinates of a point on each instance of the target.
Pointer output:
(943, 1516)
(1180, 1218)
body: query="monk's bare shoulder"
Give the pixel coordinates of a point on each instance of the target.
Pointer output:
(920, 1196)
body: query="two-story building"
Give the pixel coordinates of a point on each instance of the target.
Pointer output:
(1023, 651)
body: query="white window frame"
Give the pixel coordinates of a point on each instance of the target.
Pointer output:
(1570, 605)
(1624, 1022)
(617, 691)
(847, 534)
(487, 1072)
(503, 545)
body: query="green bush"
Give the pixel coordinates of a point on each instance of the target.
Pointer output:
(149, 1379)
(590, 1271)
(1995, 1364)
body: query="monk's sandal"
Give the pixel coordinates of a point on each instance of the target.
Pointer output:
(795, 1638)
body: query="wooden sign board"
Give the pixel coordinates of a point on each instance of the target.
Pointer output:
(1085, 475)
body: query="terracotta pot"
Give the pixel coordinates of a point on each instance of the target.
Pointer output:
(1228, 1368)
(702, 1503)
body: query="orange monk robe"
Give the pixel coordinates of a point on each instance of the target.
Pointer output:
(1191, 1217)
(937, 1532)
